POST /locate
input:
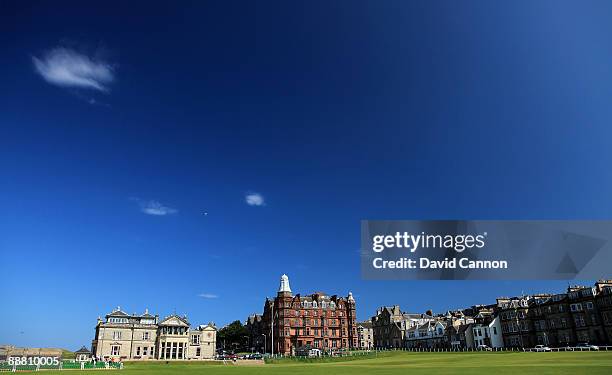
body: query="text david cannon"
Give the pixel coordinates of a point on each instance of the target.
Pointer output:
(426, 263)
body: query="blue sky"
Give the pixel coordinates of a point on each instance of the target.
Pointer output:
(122, 123)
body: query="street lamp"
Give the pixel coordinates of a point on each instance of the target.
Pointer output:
(247, 340)
(272, 333)
(265, 342)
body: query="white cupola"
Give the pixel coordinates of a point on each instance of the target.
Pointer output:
(284, 284)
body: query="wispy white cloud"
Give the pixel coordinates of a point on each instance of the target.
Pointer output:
(255, 199)
(208, 296)
(154, 207)
(67, 68)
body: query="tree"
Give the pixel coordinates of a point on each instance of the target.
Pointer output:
(234, 336)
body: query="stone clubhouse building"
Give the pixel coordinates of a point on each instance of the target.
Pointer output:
(122, 336)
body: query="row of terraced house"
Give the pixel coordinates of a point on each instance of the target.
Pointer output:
(582, 314)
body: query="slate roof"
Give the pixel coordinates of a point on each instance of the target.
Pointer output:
(83, 350)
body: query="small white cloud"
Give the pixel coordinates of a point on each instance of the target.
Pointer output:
(254, 199)
(156, 208)
(68, 68)
(208, 296)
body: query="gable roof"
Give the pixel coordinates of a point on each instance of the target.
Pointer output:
(175, 320)
(118, 313)
(83, 350)
(210, 325)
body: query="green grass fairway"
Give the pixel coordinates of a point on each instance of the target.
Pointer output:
(392, 363)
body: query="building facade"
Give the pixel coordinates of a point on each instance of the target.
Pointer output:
(365, 335)
(430, 334)
(257, 337)
(553, 321)
(515, 322)
(144, 337)
(585, 314)
(291, 322)
(389, 327)
(604, 304)
(487, 330)
(580, 315)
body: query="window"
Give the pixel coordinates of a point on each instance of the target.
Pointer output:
(576, 307)
(579, 321)
(589, 305)
(138, 350)
(198, 351)
(116, 335)
(144, 350)
(495, 330)
(115, 350)
(145, 335)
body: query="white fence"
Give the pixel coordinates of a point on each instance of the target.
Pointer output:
(458, 350)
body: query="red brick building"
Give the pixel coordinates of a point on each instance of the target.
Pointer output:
(316, 321)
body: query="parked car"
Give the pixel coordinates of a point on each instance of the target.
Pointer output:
(586, 345)
(484, 347)
(541, 348)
